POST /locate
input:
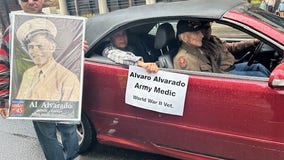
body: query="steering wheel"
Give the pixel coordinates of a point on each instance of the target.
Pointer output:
(255, 53)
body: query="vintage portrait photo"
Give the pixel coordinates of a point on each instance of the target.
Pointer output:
(46, 67)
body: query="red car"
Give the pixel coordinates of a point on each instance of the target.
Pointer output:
(225, 116)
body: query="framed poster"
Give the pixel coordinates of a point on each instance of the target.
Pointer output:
(46, 67)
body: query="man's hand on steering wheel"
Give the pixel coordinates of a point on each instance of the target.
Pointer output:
(255, 52)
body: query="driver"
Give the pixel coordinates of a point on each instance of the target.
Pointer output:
(225, 60)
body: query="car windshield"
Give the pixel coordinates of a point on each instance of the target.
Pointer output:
(266, 17)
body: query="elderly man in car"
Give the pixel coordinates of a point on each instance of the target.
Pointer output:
(119, 52)
(197, 53)
(223, 54)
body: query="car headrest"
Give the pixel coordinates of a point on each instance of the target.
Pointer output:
(165, 33)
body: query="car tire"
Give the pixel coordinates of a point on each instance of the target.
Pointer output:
(86, 134)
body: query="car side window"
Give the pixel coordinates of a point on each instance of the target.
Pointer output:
(225, 31)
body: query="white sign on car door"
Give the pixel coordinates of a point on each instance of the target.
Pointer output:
(162, 92)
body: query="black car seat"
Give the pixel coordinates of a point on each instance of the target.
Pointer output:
(137, 45)
(166, 42)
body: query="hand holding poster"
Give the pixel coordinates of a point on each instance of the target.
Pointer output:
(163, 92)
(47, 67)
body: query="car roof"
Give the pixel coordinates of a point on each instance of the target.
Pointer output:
(98, 26)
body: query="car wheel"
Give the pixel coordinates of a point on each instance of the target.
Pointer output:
(86, 134)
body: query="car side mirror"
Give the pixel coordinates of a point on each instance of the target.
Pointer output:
(276, 79)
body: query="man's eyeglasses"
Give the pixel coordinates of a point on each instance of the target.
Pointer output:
(27, 0)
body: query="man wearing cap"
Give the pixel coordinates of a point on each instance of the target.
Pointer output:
(46, 131)
(211, 56)
(190, 55)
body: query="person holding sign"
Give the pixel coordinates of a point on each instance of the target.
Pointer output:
(118, 52)
(48, 80)
(45, 130)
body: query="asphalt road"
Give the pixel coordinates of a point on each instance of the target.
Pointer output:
(19, 142)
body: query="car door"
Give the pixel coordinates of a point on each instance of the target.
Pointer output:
(103, 100)
(224, 116)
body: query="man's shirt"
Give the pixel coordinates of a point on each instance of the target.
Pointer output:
(120, 56)
(51, 82)
(4, 67)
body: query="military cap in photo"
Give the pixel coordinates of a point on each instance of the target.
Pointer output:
(186, 26)
(35, 26)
